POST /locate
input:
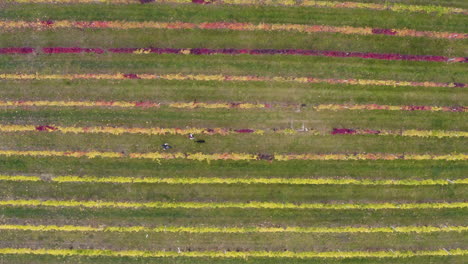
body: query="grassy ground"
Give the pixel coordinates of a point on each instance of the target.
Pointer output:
(107, 38)
(241, 242)
(232, 217)
(260, 14)
(398, 169)
(106, 260)
(300, 66)
(454, 3)
(211, 91)
(280, 117)
(236, 118)
(235, 193)
(272, 143)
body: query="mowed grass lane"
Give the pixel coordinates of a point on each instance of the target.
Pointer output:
(397, 6)
(232, 242)
(324, 120)
(232, 13)
(197, 38)
(219, 193)
(230, 217)
(267, 144)
(215, 91)
(290, 66)
(398, 169)
(454, 3)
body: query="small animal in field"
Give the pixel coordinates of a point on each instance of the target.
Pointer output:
(166, 146)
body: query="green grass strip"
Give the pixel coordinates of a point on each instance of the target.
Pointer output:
(317, 120)
(226, 39)
(381, 170)
(230, 217)
(251, 205)
(386, 19)
(210, 91)
(236, 230)
(397, 7)
(232, 254)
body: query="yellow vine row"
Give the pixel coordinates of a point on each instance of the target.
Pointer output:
(217, 131)
(124, 104)
(215, 180)
(121, 130)
(233, 156)
(20, 178)
(251, 205)
(234, 254)
(238, 230)
(206, 77)
(397, 7)
(432, 133)
(193, 105)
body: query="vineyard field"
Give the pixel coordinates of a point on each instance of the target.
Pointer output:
(233, 131)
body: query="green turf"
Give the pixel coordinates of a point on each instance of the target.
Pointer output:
(214, 13)
(269, 143)
(211, 91)
(231, 217)
(236, 118)
(453, 3)
(136, 38)
(182, 168)
(234, 193)
(262, 65)
(235, 242)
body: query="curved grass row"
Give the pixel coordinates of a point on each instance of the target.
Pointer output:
(205, 77)
(48, 25)
(216, 180)
(236, 230)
